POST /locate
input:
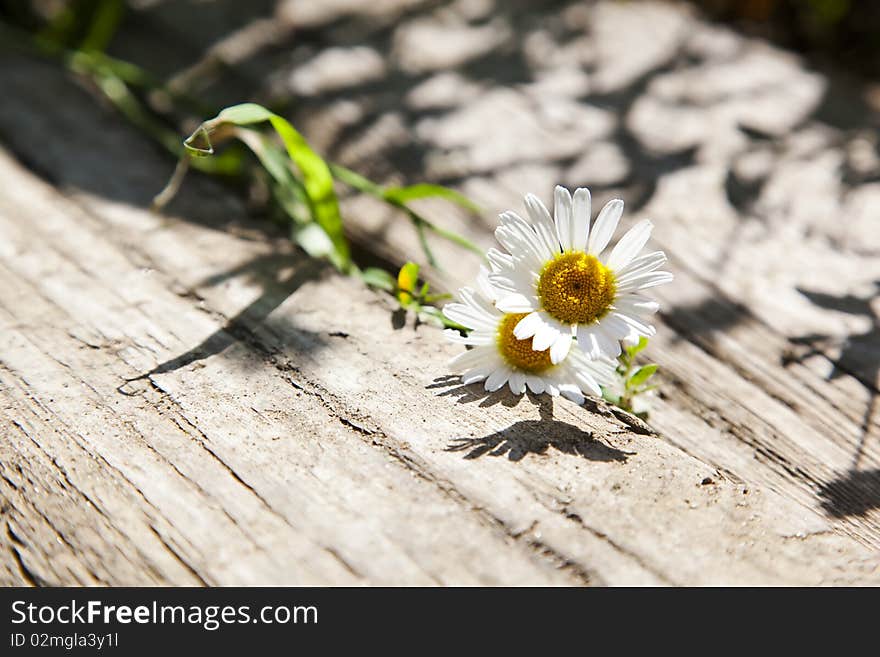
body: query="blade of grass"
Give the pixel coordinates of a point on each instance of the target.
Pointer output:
(317, 180)
(427, 190)
(105, 19)
(394, 196)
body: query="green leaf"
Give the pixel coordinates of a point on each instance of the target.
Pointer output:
(287, 189)
(643, 374)
(312, 239)
(427, 190)
(245, 114)
(317, 182)
(104, 23)
(375, 277)
(633, 350)
(442, 319)
(609, 396)
(356, 180)
(398, 196)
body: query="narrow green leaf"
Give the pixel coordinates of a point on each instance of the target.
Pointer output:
(643, 374)
(245, 114)
(395, 198)
(288, 191)
(375, 277)
(609, 395)
(313, 240)
(633, 350)
(104, 22)
(441, 318)
(356, 180)
(420, 225)
(316, 178)
(427, 190)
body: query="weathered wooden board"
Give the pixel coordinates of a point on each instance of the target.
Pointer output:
(187, 400)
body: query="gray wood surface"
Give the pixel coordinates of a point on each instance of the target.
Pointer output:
(186, 399)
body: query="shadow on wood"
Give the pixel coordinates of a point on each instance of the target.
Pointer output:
(536, 437)
(279, 276)
(853, 494)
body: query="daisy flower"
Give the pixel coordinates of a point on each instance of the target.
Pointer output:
(498, 357)
(560, 278)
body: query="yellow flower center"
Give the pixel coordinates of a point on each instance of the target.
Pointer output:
(576, 288)
(519, 353)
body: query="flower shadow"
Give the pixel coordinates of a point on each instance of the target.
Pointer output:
(537, 437)
(525, 436)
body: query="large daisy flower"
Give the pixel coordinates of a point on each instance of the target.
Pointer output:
(498, 357)
(560, 279)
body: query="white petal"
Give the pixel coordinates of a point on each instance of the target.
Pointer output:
(485, 287)
(629, 245)
(560, 347)
(571, 392)
(479, 337)
(545, 336)
(503, 282)
(477, 374)
(515, 303)
(563, 216)
(587, 341)
(602, 372)
(615, 326)
(644, 281)
(517, 280)
(511, 219)
(517, 383)
(472, 358)
(454, 336)
(635, 305)
(544, 226)
(632, 338)
(478, 301)
(595, 343)
(643, 328)
(519, 237)
(580, 213)
(535, 383)
(498, 260)
(592, 387)
(610, 343)
(528, 326)
(586, 382)
(605, 226)
(468, 316)
(644, 263)
(591, 373)
(498, 378)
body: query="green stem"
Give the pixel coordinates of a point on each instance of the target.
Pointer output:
(367, 186)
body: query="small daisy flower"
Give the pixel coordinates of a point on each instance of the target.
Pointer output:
(498, 357)
(559, 277)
